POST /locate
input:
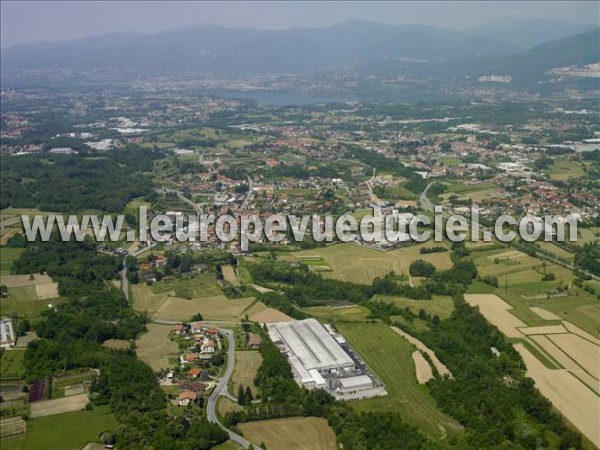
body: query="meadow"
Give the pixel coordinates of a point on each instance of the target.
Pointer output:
(65, 431)
(439, 305)
(350, 313)
(11, 364)
(244, 372)
(155, 347)
(294, 433)
(390, 357)
(362, 265)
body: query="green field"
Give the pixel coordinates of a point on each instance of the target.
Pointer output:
(352, 313)
(11, 364)
(362, 264)
(201, 285)
(7, 256)
(64, 431)
(24, 301)
(439, 305)
(519, 277)
(389, 356)
(563, 169)
(246, 364)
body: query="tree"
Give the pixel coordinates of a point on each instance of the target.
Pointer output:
(241, 398)
(420, 268)
(248, 396)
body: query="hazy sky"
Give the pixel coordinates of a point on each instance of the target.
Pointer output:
(35, 21)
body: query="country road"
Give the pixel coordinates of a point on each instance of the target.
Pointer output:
(221, 389)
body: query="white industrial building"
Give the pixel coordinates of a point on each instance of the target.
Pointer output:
(311, 351)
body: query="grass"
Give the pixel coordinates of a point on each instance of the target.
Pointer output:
(244, 372)
(362, 264)
(7, 256)
(11, 364)
(519, 277)
(64, 431)
(294, 433)
(390, 357)
(439, 305)
(155, 347)
(352, 313)
(563, 169)
(25, 302)
(211, 308)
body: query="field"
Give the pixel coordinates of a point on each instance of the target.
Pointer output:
(362, 265)
(563, 169)
(390, 357)
(59, 405)
(562, 359)
(11, 364)
(28, 295)
(519, 277)
(351, 313)
(9, 426)
(246, 365)
(441, 368)
(270, 315)
(439, 305)
(155, 348)
(423, 370)
(161, 300)
(475, 192)
(7, 256)
(229, 275)
(66, 431)
(571, 397)
(226, 405)
(295, 433)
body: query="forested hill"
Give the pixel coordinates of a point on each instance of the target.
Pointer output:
(76, 183)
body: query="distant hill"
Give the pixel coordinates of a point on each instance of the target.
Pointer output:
(527, 33)
(577, 50)
(210, 48)
(368, 47)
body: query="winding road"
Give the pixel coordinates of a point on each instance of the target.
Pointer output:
(221, 389)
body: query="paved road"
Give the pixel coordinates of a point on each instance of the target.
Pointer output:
(221, 389)
(124, 280)
(249, 194)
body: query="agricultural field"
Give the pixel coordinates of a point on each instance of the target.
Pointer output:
(155, 347)
(246, 365)
(562, 169)
(475, 192)
(82, 427)
(59, 405)
(270, 315)
(362, 265)
(521, 286)
(226, 405)
(390, 356)
(7, 256)
(350, 313)
(439, 305)
(229, 275)
(212, 308)
(562, 359)
(28, 295)
(11, 364)
(294, 433)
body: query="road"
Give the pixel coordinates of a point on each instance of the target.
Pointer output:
(426, 204)
(249, 194)
(221, 389)
(124, 280)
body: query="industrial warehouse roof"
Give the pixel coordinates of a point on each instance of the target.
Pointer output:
(310, 343)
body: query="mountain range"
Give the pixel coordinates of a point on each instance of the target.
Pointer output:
(506, 47)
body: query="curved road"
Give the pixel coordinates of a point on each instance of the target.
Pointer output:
(221, 389)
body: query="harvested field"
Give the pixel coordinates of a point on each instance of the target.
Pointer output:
(74, 390)
(546, 315)
(225, 405)
(422, 368)
(146, 300)
(579, 332)
(261, 289)
(586, 354)
(351, 313)
(294, 433)
(48, 290)
(549, 329)
(59, 405)
(211, 308)
(155, 347)
(441, 368)
(9, 426)
(570, 396)
(497, 312)
(229, 275)
(13, 281)
(271, 315)
(439, 305)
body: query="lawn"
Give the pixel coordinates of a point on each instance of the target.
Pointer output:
(352, 313)
(246, 365)
(439, 305)
(7, 256)
(11, 364)
(294, 433)
(64, 431)
(390, 357)
(563, 169)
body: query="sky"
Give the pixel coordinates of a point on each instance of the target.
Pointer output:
(52, 21)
